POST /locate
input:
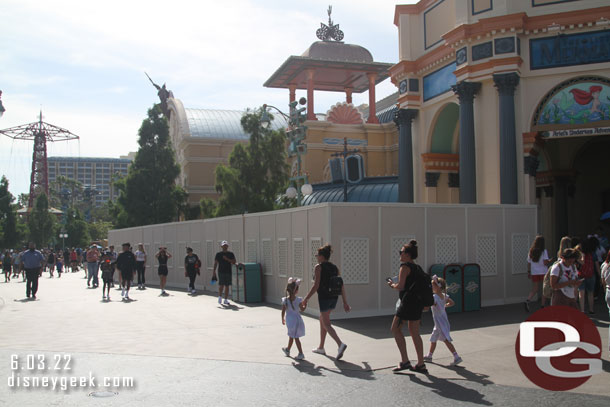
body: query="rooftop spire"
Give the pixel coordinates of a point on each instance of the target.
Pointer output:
(331, 31)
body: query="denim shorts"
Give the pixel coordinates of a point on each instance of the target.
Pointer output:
(327, 304)
(588, 285)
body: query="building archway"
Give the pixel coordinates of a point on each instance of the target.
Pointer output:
(573, 119)
(442, 161)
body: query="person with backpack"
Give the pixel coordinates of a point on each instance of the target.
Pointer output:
(191, 269)
(415, 293)
(329, 286)
(564, 279)
(588, 271)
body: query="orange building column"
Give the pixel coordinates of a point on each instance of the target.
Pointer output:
(348, 95)
(310, 112)
(372, 112)
(293, 95)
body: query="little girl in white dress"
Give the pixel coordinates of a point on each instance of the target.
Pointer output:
(291, 317)
(441, 331)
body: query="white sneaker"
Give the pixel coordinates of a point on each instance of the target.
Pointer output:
(428, 358)
(103, 297)
(456, 361)
(341, 350)
(220, 300)
(123, 292)
(300, 356)
(226, 302)
(193, 291)
(286, 351)
(108, 297)
(319, 351)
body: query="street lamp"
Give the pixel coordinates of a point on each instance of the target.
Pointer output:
(63, 236)
(296, 134)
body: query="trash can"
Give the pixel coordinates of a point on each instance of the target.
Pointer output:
(472, 287)
(247, 282)
(436, 269)
(453, 275)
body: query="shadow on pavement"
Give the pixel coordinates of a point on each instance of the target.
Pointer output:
(448, 389)
(304, 366)
(379, 327)
(353, 370)
(480, 378)
(230, 307)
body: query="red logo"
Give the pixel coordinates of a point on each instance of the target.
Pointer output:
(558, 348)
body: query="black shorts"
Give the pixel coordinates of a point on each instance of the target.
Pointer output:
(127, 275)
(224, 278)
(410, 312)
(327, 304)
(163, 270)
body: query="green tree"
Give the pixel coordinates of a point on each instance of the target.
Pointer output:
(77, 229)
(98, 230)
(64, 191)
(41, 223)
(148, 194)
(257, 172)
(9, 235)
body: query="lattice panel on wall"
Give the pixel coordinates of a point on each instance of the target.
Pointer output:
(282, 257)
(251, 251)
(487, 254)
(267, 257)
(297, 257)
(355, 260)
(181, 252)
(520, 250)
(315, 243)
(209, 253)
(396, 244)
(446, 249)
(235, 247)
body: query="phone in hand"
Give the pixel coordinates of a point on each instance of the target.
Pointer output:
(389, 280)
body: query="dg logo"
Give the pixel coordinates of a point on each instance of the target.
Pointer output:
(558, 348)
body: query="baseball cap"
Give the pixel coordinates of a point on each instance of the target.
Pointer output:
(224, 243)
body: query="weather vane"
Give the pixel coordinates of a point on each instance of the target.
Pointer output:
(330, 31)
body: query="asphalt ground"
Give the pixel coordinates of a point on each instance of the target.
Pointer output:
(182, 350)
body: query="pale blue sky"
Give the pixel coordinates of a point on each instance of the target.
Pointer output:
(83, 62)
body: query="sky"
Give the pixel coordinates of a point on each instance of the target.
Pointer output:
(82, 63)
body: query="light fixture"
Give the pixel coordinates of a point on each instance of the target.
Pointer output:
(306, 189)
(291, 192)
(265, 118)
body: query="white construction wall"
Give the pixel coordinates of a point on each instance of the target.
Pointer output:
(366, 239)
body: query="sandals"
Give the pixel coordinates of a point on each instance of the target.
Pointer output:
(420, 368)
(403, 366)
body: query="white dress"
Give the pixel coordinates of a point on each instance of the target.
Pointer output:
(294, 321)
(441, 331)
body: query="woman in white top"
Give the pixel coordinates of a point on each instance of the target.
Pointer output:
(140, 265)
(564, 279)
(537, 263)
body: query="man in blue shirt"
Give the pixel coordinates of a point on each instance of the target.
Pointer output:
(32, 261)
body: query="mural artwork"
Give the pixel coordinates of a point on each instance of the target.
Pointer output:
(582, 103)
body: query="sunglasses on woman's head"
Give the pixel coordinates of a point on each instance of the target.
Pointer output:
(401, 252)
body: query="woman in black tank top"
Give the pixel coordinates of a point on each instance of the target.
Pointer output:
(327, 302)
(163, 256)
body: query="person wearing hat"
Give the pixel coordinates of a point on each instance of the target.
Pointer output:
(223, 261)
(126, 264)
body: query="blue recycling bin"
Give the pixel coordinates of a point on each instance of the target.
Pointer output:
(471, 287)
(453, 275)
(247, 283)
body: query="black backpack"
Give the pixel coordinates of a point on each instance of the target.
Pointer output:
(335, 283)
(422, 286)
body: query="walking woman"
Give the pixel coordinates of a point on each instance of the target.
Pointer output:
(537, 264)
(564, 279)
(163, 256)
(140, 265)
(409, 309)
(327, 300)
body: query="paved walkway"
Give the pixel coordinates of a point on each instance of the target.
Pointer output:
(192, 347)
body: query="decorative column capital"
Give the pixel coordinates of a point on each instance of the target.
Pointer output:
(466, 91)
(432, 179)
(530, 165)
(404, 117)
(454, 180)
(506, 83)
(372, 77)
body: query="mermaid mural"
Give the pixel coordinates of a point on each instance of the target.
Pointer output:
(577, 104)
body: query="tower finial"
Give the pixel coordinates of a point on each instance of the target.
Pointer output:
(330, 31)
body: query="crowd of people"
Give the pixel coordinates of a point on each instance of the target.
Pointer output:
(574, 279)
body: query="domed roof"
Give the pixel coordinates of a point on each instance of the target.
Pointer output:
(338, 51)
